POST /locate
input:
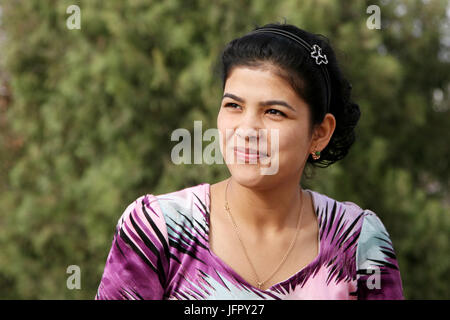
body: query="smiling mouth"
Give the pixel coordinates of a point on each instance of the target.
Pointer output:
(249, 154)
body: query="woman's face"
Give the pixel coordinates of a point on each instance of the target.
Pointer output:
(254, 100)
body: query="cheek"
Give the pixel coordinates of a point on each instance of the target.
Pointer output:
(293, 144)
(222, 124)
(224, 127)
(223, 121)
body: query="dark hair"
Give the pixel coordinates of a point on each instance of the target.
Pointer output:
(294, 64)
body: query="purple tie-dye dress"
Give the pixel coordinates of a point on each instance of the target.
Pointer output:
(160, 250)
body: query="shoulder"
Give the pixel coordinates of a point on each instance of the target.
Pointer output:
(375, 246)
(184, 201)
(142, 219)
(373, 229)
(345, 222)
(175, 201)
(337, 215)
(162, 213)
(332, 210)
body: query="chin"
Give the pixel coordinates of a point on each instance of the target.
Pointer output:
(249, 175)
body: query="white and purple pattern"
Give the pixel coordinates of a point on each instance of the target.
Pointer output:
(160, 250)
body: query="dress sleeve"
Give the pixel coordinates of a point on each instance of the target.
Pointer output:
(137, 263)
(378, 273)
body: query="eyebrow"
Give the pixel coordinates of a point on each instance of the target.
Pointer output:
(262, 103)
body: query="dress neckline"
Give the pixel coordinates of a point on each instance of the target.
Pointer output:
(229, 269)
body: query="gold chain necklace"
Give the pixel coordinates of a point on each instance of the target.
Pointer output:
(260, 283)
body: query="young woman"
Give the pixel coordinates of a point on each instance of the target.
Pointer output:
(258, 234)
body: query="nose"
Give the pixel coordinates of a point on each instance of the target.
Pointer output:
(249, 135)
(249, 129)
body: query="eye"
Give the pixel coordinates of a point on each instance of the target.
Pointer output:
(276, 112)
(232, 105)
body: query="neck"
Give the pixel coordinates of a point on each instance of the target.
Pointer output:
(266, 211)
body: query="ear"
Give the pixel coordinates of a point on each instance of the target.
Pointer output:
(322, 133)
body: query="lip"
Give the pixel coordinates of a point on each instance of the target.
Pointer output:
(248, 153)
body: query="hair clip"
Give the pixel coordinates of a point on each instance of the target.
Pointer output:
(316, 53)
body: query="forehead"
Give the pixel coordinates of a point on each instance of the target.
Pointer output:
(259, 83)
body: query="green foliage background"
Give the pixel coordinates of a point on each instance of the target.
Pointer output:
(86, 117)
